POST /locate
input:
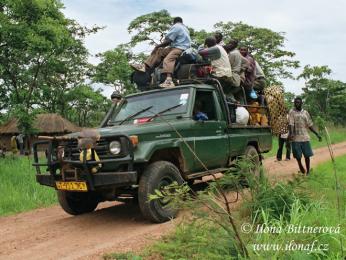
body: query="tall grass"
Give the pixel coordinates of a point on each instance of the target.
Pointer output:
(18, 187)
(204, 239)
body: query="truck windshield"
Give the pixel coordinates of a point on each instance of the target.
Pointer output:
(158, 101)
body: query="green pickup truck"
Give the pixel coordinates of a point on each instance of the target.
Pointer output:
(146, 142)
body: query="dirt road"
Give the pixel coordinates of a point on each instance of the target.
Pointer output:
(52, 234)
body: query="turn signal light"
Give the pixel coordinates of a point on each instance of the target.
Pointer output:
(134, 140)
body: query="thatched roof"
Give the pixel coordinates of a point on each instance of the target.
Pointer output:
(44, 123)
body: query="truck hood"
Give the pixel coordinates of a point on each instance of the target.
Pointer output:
(131, 129)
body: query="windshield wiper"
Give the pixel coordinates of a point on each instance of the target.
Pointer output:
(135, 114)
(164, 111)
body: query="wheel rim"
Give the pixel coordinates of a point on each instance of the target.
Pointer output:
(165, 181)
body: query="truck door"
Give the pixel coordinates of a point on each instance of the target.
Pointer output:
(211, 140)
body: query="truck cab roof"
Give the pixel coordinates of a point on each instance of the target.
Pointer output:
(199, 86)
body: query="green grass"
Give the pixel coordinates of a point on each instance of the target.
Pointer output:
(337, 135)
(19, 189)
(203, 239)
(321, 212)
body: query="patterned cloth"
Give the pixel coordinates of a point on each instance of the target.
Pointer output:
(301, 121)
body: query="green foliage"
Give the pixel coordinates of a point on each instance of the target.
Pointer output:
(42, 55)
(203, 238)
(196, 240)
(321, 212)
(25, 120)
(198, 37)
(275, 202)
(19, 189)
(122, 256)
(150, 28)
(322, 96)
(289, 98)
(86, 106)
(114, 69)
(267, 47)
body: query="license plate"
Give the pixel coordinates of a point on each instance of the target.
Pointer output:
(71, 185)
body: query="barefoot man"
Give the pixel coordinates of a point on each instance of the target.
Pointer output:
(299, 123)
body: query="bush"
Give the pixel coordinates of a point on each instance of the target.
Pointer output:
(275, 201)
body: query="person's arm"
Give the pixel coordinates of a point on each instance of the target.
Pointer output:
(290, 132)
(290, 126)
(212, 53)
(165, 43)
(311, 127)
(169, 38)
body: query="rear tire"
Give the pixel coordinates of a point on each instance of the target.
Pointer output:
(76, 203)
(155, 176)
(252, 155)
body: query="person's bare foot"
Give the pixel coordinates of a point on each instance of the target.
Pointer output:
(302, 170)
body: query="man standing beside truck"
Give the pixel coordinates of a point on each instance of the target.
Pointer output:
(299, 121)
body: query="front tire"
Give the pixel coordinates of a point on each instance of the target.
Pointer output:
(76, 203)
(155, 176)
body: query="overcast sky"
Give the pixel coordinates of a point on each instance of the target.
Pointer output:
(314, 30)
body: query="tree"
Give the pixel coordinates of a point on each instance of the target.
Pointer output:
(289, 98)
(114, 69)
(266, 46)
(324, 97)
(150, 28)
(42, 55)
(86, 106)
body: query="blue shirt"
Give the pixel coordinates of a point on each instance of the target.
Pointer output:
(180, 36)
(200, 116)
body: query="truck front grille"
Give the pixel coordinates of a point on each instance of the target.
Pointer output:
(72, 151)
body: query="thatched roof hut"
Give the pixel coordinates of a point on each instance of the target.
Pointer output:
(45, 124)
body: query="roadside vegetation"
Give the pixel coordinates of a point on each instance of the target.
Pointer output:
(23, 193)
(337, 135)
(19, 189)
(277, 210)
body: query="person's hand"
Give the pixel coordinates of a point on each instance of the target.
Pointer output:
(319, 138)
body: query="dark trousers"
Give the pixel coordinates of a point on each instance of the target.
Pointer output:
(21, 148)
(283, 141)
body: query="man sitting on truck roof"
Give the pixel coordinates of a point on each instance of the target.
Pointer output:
(222, 69)
(250, 75)
(238, 63)
(178, 40)
(218, 37)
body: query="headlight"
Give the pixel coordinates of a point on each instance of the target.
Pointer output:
(115, 147)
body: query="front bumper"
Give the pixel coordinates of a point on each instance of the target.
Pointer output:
(100, 179)
(124, 176)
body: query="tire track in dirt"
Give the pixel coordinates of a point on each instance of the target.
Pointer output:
(50, 233)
